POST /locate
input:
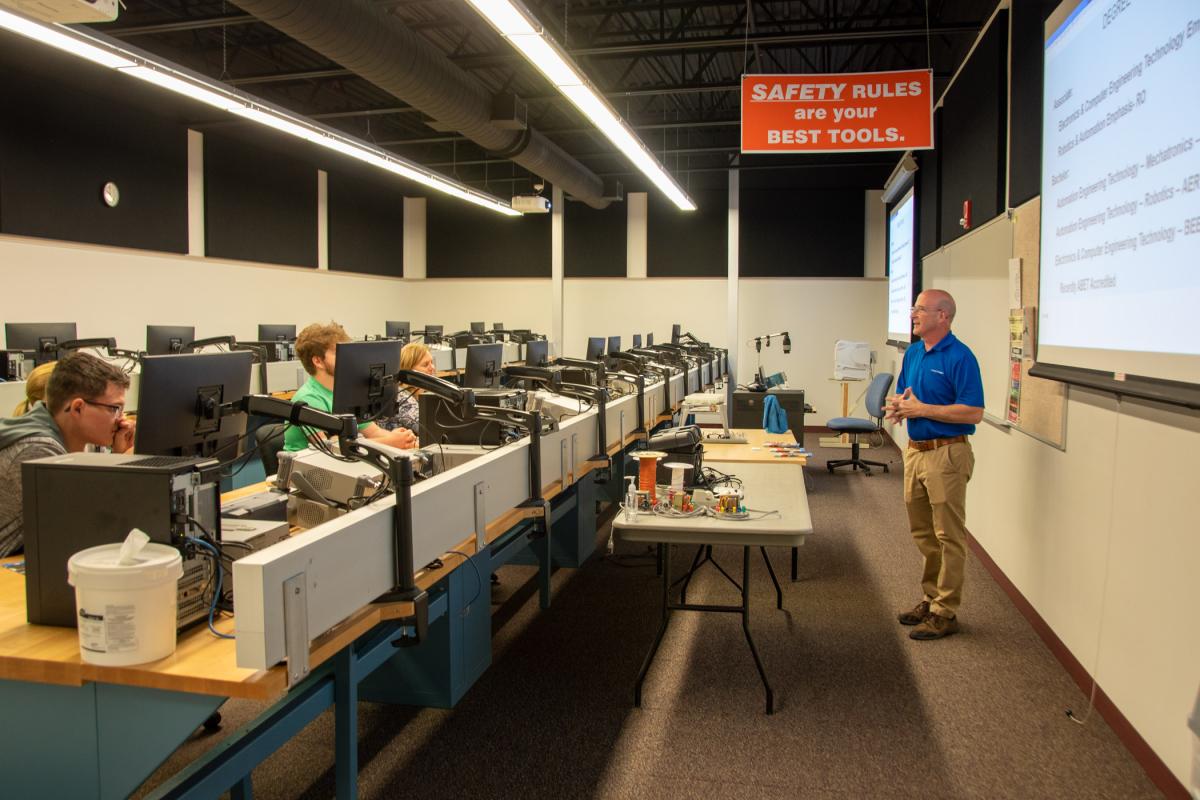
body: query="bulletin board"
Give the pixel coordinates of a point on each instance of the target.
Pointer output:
(975, 269)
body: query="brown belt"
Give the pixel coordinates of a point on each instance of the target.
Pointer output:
(934, 444)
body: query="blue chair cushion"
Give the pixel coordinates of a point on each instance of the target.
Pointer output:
(852, 425)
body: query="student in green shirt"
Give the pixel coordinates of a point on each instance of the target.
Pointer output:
(316, 347)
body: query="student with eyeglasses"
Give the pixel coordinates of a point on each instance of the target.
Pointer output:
(85, 404)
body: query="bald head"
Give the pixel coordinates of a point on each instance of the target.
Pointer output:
(940, 300)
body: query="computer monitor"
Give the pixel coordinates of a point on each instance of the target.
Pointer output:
(483, 365)
(364, 381)
(43, 338)
(276, 333)
(497, 326)
(536, 353)
(397, 330)
(649, 338)
(637, 340)
(272, 350)
(675, 333)
(166, 340)
(595, 348)
(614, 345)
(436, 330)
(478, 327)
(178, 397)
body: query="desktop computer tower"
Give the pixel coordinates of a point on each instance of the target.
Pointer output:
(747, 409)
(81, 500)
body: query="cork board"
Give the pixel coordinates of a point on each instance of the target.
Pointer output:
(1043, 402)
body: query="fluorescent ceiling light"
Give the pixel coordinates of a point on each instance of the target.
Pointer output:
(179, 86)
(547, 59)
(515, 23)
(504, 17)
(137, 64)
(603, 117)
(55, 37)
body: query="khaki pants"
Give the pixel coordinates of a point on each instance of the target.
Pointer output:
(935, 492)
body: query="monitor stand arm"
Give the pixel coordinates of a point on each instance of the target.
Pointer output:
(398, 469)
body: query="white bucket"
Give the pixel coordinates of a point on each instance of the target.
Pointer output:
(126, 613)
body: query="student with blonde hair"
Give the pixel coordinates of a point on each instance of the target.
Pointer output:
(415, 356)
(35, 388)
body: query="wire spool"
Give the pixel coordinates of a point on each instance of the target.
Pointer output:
(648, 471)
(678, 470)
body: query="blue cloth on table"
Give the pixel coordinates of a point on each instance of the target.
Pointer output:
(774, 417)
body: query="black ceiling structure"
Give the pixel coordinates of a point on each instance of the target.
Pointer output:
(672, 69)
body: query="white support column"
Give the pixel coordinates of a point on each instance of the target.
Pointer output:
(635, 236)
(414, 238)
(556, 270)
(322, 219)
(195, 192)
(732, 287)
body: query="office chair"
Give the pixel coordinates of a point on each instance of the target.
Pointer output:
(876, 395)
(269, 439)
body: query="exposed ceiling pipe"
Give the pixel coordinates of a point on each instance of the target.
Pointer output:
(377, 46)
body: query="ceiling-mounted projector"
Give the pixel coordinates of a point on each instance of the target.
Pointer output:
(531, 204)
(66, 10)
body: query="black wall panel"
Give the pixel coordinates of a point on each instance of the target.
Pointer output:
(594, 240)
(928, 189)
(61, 142)
(259, 204)
(786, 233)
(1029, 17)
(366, 224)
(465, 241)
(689, 243)
(973, 135)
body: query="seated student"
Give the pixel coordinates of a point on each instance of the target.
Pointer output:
(35, 388)
(85, 404)
(316, 348)
(415, 356)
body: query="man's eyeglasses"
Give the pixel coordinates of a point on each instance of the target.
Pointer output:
(923, 310)
(117, 411)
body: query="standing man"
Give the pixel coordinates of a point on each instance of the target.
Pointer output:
(941, 396)
(85, 404)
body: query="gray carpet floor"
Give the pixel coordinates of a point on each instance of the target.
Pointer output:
(862, 710)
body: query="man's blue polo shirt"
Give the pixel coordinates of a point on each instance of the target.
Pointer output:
(946, 375)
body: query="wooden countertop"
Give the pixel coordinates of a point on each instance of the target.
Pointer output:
(203, 663)
(754, 451)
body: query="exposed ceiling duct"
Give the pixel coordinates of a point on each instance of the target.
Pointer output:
(378, 47)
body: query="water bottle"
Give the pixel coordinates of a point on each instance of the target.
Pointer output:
(631, 499)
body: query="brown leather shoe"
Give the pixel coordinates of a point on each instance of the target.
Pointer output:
(934, 627)
(916, 615)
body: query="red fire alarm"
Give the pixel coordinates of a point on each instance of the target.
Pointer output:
(965, 219)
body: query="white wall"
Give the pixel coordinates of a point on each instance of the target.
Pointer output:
(1100, 537)
(456, 302)
(816, 312)
(112, 291)
(624, 306)
(1103, 540)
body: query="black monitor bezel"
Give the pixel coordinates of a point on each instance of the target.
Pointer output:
(474, 376)
(268, 332)
(169, 389)
(156, 334)
(362, 373)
